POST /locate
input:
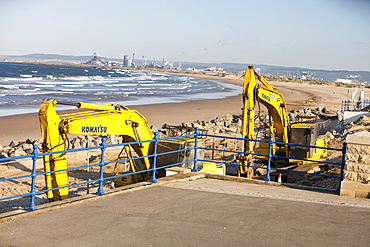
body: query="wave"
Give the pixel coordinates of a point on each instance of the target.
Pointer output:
(96, 84)
(23, 79)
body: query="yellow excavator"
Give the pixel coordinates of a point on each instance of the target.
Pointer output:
(99, 120)
(103, 120)
(279, 126)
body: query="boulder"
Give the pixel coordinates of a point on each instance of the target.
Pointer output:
(13, 144)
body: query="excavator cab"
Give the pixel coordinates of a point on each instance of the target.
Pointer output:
(306, 134)
(302, 134)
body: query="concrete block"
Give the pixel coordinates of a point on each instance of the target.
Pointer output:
(349, 193)
(362, 137)
(349, 185)
(355, 189)
(362, 194)
(176, 170)
(352, 116)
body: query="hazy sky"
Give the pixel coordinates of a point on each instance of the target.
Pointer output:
(316, 34)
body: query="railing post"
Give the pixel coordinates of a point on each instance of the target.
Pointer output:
(154, 165)
(196, 134)
(344, 150)
(101, 173)
(35, 155)
(270, 142)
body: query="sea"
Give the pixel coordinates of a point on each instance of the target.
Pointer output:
(23, 87)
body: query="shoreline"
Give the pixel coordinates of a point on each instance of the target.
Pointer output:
(297, 95)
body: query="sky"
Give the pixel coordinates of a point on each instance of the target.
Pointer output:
(314, 34)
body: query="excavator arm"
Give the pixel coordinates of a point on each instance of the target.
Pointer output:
(274, 101)
(102, 120)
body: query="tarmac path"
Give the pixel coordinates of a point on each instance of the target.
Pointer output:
(204, 212)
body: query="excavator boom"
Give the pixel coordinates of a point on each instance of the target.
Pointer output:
(268, 96)
(103, 120)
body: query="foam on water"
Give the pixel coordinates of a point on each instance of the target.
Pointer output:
(24, 86)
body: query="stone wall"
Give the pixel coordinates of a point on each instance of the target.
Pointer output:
(356, 182)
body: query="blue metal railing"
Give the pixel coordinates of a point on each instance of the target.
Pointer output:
(270, 157)
(103, 147)
(356, 105)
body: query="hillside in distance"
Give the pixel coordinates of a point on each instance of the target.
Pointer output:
(270, 70)
(41, 57)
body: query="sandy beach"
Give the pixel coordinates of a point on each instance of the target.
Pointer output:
(297, 95)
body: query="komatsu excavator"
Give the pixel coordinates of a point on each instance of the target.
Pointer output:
(103, 120)
(279, 126)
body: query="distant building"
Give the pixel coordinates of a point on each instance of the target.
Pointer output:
(213, 69)
(126, 59)
(95, 60)
(344, 81)
(128, 62)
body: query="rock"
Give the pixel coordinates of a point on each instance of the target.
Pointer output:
(233, 128)
(307, 111)
(13, 144)
(28, 141)
(340, 116)
(96, 141)
(7, 150)
(329, 135)
(17, 152)
(196, 125)
(154, 129)
(4, 154)
(89, 141)
(237, 118)
(113, 139)
(209, 125)
(83, 141)
(261, 171)
(78, 142)
(213, 129)
(26, 147)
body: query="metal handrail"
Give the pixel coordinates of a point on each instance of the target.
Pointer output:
(103, 146)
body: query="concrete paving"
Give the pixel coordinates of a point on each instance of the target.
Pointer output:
(203, 212)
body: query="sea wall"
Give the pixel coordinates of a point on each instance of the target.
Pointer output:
(356, 182)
